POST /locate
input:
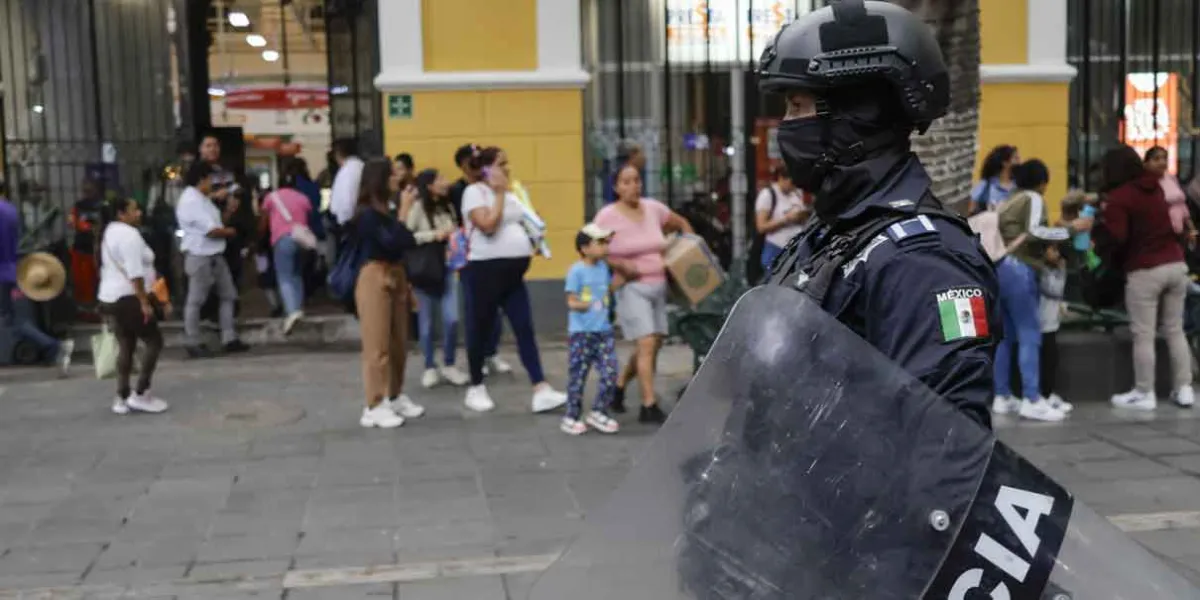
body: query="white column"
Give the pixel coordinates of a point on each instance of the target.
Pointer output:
(400, 40)
(1047, 48)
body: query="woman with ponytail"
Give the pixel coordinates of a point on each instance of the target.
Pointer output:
(127, 277)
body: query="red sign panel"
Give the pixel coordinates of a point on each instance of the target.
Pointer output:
(276, 98)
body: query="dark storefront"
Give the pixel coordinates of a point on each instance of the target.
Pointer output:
(353, 44)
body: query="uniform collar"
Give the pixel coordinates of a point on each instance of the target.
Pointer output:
(902, 182)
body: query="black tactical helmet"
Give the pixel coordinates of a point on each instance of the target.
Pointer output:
(857, 43)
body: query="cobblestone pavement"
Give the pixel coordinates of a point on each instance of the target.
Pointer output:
(260, 484)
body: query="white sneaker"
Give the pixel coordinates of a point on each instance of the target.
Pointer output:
(1135, 400)
(1040, 411)
(478, 399)
(146, 403)
(405, 407)
(497, 365)
(1185, 396)
(65, 349)
(455, 376)
(1057, 402)
(546, 399)
(430, 378)
(381, 416)
(1002, 405)
(119, 407)
(571, 426)
(291, 321)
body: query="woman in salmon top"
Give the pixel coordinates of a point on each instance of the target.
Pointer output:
(636, 255)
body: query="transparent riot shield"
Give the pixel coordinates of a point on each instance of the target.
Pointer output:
(802, 464)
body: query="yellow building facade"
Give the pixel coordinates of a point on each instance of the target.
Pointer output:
(1026, 83)
(509, 75)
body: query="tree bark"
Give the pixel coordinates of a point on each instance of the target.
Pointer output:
(948, 149)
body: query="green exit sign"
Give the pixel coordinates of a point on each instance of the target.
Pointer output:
(400, 106)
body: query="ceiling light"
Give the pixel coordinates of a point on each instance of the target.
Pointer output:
(217, 92)
(39, 109)
(270, 55)
(239, 19)
(256, 40)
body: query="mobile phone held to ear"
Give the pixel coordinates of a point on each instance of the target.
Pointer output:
(486, 174)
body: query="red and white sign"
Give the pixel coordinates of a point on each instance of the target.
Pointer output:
(1152, 114)
(276, 98)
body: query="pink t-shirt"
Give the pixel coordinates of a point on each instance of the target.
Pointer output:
(295, 202)
(639, 241)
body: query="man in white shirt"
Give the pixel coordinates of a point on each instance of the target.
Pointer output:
(204, 234)
(344, 196)
(780, 215)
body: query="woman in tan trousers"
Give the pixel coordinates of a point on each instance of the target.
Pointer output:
(381, 296)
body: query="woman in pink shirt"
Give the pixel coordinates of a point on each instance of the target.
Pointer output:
(636, 256)
(1157, 161)
(282, 211)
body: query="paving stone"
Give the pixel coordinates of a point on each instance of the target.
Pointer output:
(63, 558)
(134, 576)
(223, 571)
(476, 588)
(351, 508)
(376, 541)
(1127, 469)
(346, 592)
(1163, 445)
(248, 547)
(127, 553)
(1175, 543)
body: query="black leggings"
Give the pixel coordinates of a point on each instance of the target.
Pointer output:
(130, 325)
(492, 286)
(1049, 363)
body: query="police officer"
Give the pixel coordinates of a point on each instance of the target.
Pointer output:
(859, 77)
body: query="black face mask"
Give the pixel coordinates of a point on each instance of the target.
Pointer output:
(801, 144)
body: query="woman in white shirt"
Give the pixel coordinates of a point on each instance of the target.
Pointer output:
(780, 215)
(126, 278)
(494, 280)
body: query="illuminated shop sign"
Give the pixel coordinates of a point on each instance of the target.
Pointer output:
(725, 31)
(1152, 119)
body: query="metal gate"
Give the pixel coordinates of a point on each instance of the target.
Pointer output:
(1137, 80)
(87, 89)
(355, 107)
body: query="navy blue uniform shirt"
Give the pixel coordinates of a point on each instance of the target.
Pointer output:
(922, 292)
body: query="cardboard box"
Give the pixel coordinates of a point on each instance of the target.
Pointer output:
(693, 268)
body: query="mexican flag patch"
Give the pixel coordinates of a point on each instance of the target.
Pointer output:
(963, 313)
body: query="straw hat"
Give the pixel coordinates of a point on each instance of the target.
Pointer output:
(41, 276)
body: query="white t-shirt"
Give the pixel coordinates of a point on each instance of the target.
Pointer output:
(197, 215)
(344, 196)
(509, 240)
(784, 203)
(124, 256)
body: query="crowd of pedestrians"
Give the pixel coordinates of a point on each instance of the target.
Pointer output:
(1129, 242)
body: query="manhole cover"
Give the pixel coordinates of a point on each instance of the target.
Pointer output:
(254, 413)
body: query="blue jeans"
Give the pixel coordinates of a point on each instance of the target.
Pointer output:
(22, 320)
(287, 273)
(1019, 305)
(769, 253)
(447, 303)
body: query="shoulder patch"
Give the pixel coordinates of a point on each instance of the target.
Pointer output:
(963, 313)
(901, 204)
(862, 257)
(911, 228)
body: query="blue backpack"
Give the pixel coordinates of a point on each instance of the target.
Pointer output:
(344, 274)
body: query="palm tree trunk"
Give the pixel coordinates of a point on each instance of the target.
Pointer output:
(948, 149)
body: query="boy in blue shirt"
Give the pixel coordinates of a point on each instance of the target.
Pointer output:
(592, 342)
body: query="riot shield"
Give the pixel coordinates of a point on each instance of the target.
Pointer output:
(803, 464)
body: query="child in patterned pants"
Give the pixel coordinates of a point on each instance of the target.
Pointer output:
(592, 343)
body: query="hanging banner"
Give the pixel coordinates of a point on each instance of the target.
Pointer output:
(276, 98)
(1151, 121)
(725, 31)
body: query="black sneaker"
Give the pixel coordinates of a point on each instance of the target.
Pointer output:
(198, 352)
(652, 414)
(236, 346)
(618, 401)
